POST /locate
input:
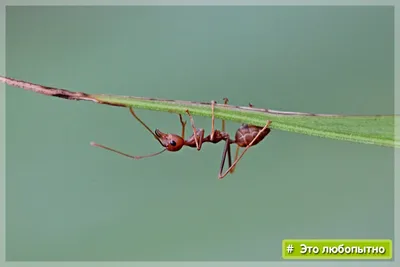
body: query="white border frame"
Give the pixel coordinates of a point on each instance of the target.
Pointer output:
(5, 3)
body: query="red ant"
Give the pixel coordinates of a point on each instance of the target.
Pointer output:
(246, 136)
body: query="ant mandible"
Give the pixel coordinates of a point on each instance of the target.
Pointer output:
(246, 136)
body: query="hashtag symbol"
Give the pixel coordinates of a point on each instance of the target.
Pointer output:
(289, 248)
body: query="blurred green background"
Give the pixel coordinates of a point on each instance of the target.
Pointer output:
(66, 200)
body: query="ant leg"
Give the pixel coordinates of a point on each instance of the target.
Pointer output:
(144, 124)
(212, 120)
(237, 148)
(244, 151)
(227, 150)
(236, 156)
(197, 139)
(223, 121)
(183, 123)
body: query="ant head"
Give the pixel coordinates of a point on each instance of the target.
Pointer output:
(171, 142)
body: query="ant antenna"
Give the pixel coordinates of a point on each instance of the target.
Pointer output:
(126, 155)
(145, 126)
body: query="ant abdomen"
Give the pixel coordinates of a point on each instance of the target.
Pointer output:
(246, 133)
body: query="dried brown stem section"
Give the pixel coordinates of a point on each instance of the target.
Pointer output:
(46, 90)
